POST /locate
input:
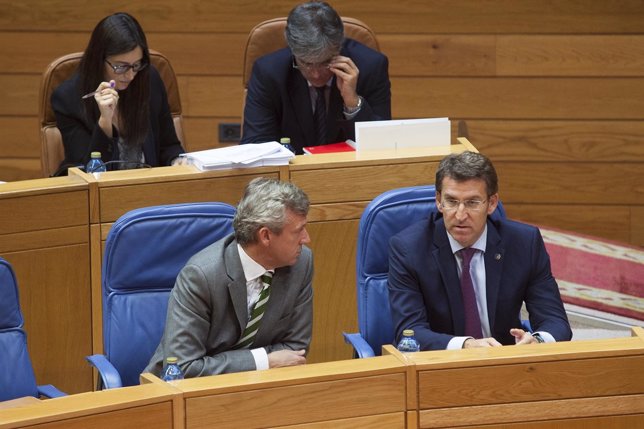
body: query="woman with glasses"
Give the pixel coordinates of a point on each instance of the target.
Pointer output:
(116, 102)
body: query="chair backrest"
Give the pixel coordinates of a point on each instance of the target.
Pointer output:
(385, 216)
(52, 152)
(268, 36)
(17, 377)
(144, 252)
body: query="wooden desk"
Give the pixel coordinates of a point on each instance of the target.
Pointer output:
(577, 384)
(19, 402)
(150, 406)
(44, 234)
(346, 394)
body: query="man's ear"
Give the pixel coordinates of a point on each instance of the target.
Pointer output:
(438, 202)
(494, 201)
(263, 236)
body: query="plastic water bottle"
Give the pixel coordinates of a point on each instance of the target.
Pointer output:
(171, 370)
(286, 142)
(95, 164)
(408, 342)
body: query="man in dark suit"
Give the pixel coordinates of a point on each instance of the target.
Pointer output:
(245, 302)
(505, 262)
(316, 89)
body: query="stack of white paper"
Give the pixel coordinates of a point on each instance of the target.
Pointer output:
(240, 156)
(402, 133)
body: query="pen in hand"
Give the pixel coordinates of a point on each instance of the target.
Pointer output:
(91, 94)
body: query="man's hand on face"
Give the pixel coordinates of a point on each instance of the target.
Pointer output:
(346, 73)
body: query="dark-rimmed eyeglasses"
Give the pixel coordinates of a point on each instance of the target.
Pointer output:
(123, 68)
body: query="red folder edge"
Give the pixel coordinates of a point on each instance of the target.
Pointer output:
(330, 148)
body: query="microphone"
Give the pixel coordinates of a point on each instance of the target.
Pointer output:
(116, 162)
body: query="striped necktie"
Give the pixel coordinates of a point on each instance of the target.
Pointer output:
(256, 315)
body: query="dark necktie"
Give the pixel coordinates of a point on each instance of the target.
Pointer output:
(258, 312)
(320, 116)
(472, 319)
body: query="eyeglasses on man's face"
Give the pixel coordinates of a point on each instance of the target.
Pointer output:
(450, 204)
(303, 65)
(123, 68)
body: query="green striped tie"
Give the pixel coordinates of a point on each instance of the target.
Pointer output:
(256, 315)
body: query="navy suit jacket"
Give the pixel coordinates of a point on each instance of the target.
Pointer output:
(424, 287)
(278, 103)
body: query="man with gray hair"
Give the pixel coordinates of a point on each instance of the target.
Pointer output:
(245, 302)
(315, 90)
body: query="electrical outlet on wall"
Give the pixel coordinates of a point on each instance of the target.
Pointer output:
(229, 132)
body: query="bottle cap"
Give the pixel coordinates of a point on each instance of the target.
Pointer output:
(95, 155)
(171, 359)
(408, 332)
(285, 140)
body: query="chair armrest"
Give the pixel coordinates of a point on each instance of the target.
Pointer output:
(49, 391)
(361, 347)
(109, 375)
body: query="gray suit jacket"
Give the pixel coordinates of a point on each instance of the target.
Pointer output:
(207, 313)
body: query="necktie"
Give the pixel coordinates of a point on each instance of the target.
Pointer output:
(320, 116)
(256, 315)
(472, 319)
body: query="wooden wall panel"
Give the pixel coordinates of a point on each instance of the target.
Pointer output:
(513, 55)
(459, 16)
(579, 55)
(519, 98)
(439, 54)
(16, 132)
(559, 141)
(608, 221)
(574, 183)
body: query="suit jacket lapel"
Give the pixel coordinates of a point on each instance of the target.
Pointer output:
(494, 256)
(301, 101)
(237, 284)
(446, 262)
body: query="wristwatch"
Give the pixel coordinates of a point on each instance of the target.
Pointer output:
(352, 110)
(538, 337)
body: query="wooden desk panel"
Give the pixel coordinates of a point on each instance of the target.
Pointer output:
(150, 406)
(596, 381)
(44, 234)
(343, 394)
(122, 191)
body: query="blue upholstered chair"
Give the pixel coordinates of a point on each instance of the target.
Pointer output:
(385, 216)
(17, 377)
(144, 252)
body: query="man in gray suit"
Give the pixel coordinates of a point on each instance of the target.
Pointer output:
(219, 299)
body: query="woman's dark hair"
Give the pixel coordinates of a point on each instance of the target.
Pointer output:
(118, 34)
